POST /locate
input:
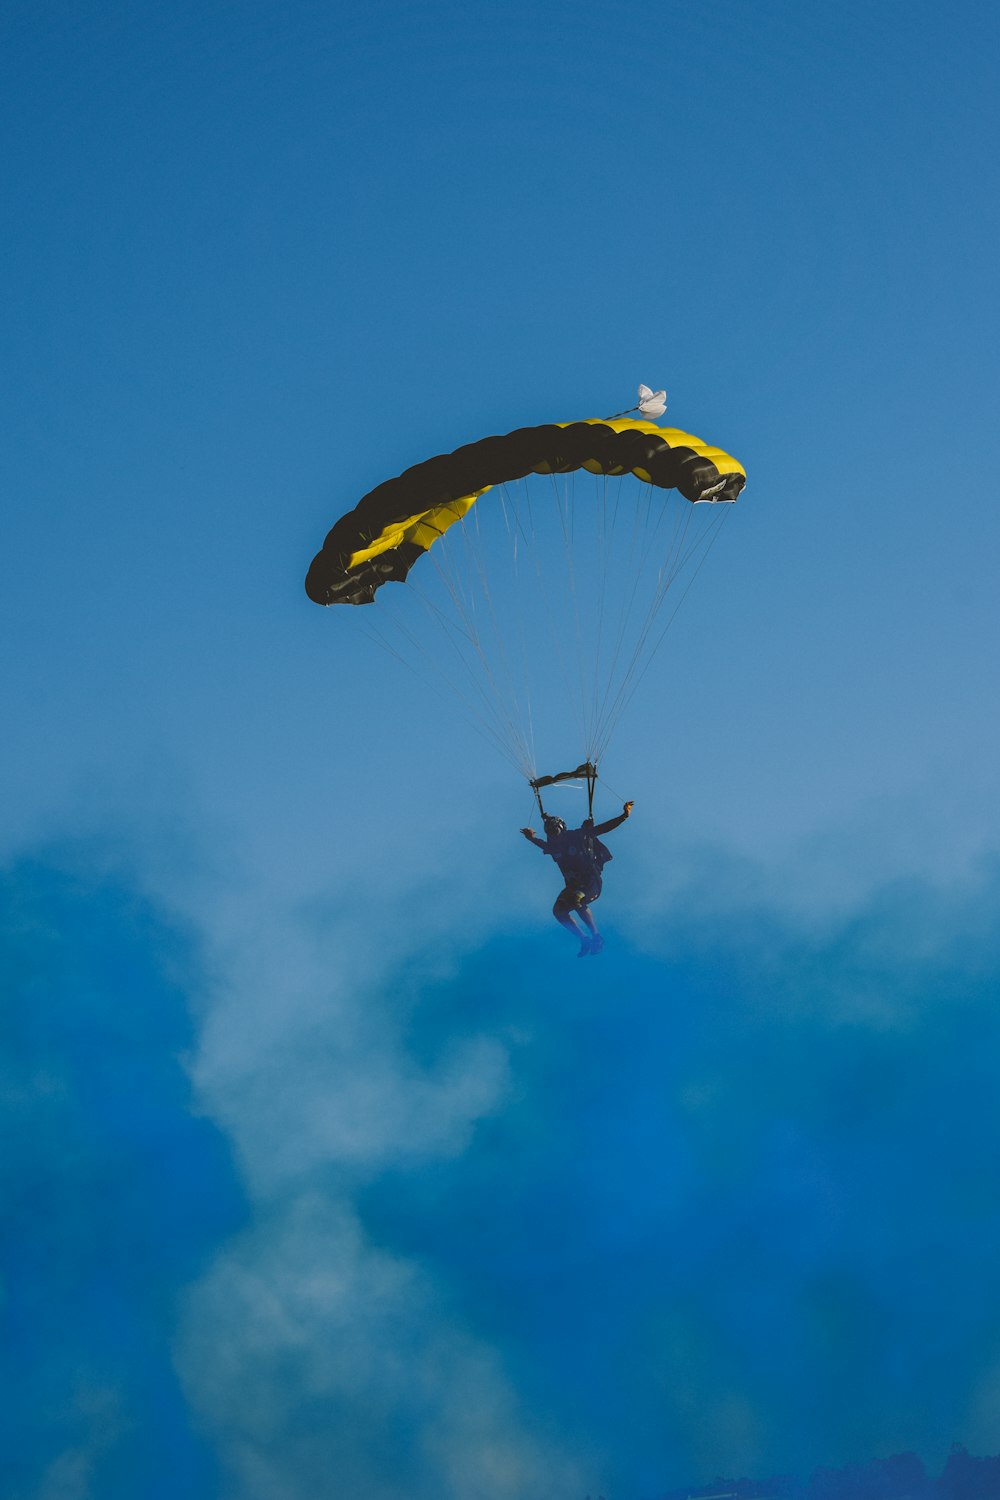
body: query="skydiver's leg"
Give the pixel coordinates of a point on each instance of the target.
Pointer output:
(566, 904)
(570, 925)
(594, 942)
(564, 919)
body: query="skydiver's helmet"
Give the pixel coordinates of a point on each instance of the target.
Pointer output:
(553, 826)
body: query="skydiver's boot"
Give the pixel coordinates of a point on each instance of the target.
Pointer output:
(592, 940)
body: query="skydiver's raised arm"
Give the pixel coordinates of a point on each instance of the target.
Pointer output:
(533, 838)
(615, 822)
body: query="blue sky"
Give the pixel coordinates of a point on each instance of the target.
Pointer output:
(414, 1201)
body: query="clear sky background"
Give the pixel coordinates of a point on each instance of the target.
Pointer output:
(323, 1163)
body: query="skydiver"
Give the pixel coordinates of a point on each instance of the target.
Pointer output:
(581, 857)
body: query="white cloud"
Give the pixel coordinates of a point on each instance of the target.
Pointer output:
(314, 1359)
(321, 1365)
(304, 1060)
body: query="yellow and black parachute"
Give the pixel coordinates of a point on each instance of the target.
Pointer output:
(395, 524)
(538, 607)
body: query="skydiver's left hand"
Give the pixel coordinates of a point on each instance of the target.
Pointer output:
(628, 809)
(529, 833)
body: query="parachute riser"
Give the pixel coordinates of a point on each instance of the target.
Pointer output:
(588, 771)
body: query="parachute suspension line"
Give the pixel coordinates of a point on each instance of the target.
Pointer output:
(567, 533)
(573, 504)
(379, 639)
(601, 556)
(611, 789)
(620, 560)
(644, 658)
(713, 535)
(520, 706)
(668, 574)
(665, 576)
(605, 555)
(508, 499)
(591, 521)
(513, 707)
(514, 531)
(644, 537)
(634, 574)
(496, 716)
(513, 712)
(506, 691)
(487, 718)
(556, 632)
(421, 652)
(610, 561)
(602, 560)
(420, 664)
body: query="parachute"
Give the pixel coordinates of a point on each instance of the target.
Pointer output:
(393, 525)
(558, 575)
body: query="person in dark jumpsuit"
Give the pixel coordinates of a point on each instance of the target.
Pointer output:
(581, 857)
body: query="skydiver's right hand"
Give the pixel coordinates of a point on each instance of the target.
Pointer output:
(529, 833)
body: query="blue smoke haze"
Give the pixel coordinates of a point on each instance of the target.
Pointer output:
(743, 1213)
(734, 1209)
(113, 1195)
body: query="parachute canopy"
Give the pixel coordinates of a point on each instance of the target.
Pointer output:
(396, 523)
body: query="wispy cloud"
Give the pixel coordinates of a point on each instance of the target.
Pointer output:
(319, 1359)
(309, 1350)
